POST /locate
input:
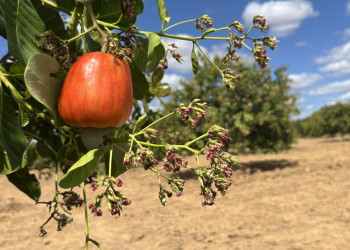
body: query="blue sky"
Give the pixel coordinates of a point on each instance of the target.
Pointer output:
(313, 35)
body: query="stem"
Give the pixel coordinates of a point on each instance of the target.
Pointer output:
(246, 34)
(176, 24)
(110, 162)
(95, 24)
(245, 45)
(11, 75)
(74, 20)
(86, 218)
(207, 57)
(153, 123)
(145, 105)
(82, 31)
(134, 139)
(159, 174)
(87, 239)
(56, 180)
(80, 35)
(56, 7)
(197, 139)
(141, 143)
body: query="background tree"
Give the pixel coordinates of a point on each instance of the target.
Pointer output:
(257, 113)
(329, 120)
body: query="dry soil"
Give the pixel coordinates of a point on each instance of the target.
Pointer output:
(297, 199)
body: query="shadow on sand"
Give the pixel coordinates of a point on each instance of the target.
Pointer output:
(250, 167)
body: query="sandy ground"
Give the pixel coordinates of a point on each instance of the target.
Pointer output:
(297, 199)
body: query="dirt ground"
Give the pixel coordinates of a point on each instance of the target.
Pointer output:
(297, 199)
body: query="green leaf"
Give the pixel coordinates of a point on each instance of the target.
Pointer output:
(26, 182)
(51, 18)
(12, 138)
(23, 115)
(154, 59)
(67, 5)
(22, 24)
(139, 83)
(93, 138)
(162, 90)
(65, 155)
(119, 150)
(44, 151)
(194, 59)
(140, 54)
(82, 168)
(17, 70)
(138, 9)
(140, 122)
(92, 44)
(107, 11)
(41, 85)
(31, 154)
(66, 152)
(157, 75)
(5, 166)
(153, 41)
(163, 13)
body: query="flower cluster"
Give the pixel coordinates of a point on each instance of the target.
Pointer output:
(177, 186)
(92, 180)
(71, 199)
(260, 55)
(237, 25)
(62, 221)
(128, 159)
(193, 113)
(176, 55)
(259, 22)
(95, 205)
(163, 195)
(218, 133)
(229, 79)
(172, 161)
(146, 158)
(205, 20)
(230, 55)
(54, 46)
(151, 135)
(164, 63)
(218, 139)
(270, 42)
(217, 175)
(115, 199)
(128, 8)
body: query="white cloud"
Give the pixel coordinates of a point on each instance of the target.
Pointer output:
(305, 112)
(303, 80)
(346, 33)
(154, 105)
(221, 50)
(301, 44)
(173, 80)
(185, 49)
(284, 17)
(345, 97)
(336, 61)
(348, 8)
(335, 87)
